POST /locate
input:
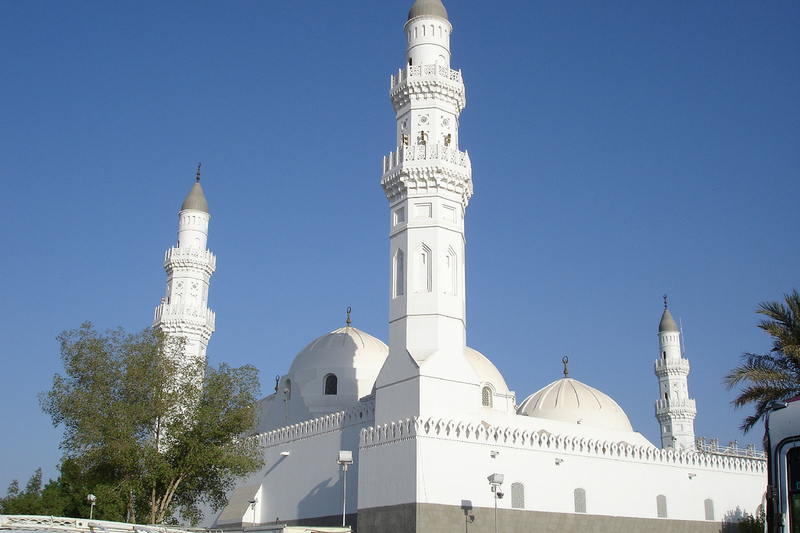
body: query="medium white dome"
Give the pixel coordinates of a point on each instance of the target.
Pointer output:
(569, 400)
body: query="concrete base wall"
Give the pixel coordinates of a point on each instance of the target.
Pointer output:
(431, 518)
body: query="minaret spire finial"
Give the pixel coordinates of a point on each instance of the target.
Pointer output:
(198, 171)
(348, 316)
(565, 360)
(665, 301)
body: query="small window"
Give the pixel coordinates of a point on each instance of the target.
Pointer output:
(709, 505)
(517, 496)
(580, 500)
(661, 506)
(331, 385)
(287, 390)
(486, 397)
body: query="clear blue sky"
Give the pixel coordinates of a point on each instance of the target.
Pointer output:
(620, 151)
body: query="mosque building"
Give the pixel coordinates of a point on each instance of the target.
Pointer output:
(436, 440)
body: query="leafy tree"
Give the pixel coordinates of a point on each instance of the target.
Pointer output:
(773, 376)
(147, 431)
(35, 499)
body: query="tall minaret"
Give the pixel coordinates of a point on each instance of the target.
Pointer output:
(428, 182)
(184, 310)
(675, 411)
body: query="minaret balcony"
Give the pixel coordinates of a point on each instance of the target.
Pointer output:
(426, 168)
(431, 154)
(676, 407)
(676, 367)
(422, 72)
(196, 315)
(425, 82)
(191, 258)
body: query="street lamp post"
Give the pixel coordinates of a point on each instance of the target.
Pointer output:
(345, 458)
(495, 480)
(91, 498)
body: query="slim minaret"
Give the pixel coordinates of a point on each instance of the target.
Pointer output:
(428, 182)
(184, 310)
(675, 411)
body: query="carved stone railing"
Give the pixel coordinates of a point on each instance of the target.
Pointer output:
(201, 258)
(427, 71)
(663, 406)
(529, 439)
(680, 367)
(57, 523)
(166, 311)
(434, 153)
(364, 412)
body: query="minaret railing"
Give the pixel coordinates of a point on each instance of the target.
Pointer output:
(427, 71)
(438, 153)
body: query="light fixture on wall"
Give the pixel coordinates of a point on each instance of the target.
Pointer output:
(345, 458)
(692, 476)
(494, 453)
(559, 461)
(495, 480)
(284, 454)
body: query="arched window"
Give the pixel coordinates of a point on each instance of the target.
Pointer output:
(580, 500)
(422, 269)
(399, 274)
(331, 385)
(517, 496)
(709, 505)
(287, 390)
(486, 396)
(661, 506)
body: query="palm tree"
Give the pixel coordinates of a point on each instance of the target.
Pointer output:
(773, 376)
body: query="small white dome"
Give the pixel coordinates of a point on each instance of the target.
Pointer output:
(569, 400)
(486, 370)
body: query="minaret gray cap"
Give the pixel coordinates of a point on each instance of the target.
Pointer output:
(428, 7)
(667, 322)
(196, 199)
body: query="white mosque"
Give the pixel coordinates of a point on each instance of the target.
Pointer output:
(438, 443)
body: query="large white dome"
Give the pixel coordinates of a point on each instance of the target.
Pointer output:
(346, 347)
(569, 400)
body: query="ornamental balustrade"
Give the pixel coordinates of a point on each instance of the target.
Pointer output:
(362, 413)
(28, 523)
(666, 404)
(680, 366)
(183, 311)
(525, 439)
(434, 71)
(436, 153)
(204, 257)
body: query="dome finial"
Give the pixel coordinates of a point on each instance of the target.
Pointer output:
(565, 360)
(665, 301)
(198, 171)
(348, 316)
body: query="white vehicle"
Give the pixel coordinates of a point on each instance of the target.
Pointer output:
(783, 444)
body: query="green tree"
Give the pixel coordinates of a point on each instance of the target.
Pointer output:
(773, 376)
(35, 499)
(148, 432)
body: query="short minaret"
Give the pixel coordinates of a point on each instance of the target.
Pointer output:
(184, 310)
(428, 182)
(675, 411)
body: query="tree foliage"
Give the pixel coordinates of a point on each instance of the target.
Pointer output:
(773, 376)
(147, 431)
